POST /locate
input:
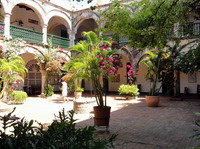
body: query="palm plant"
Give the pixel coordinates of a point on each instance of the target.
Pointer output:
(87, 63)
(11, 69)
(154, 61)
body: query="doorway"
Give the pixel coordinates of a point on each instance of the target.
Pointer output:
(33, 79)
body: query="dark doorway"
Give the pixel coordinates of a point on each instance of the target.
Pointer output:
(168, 83)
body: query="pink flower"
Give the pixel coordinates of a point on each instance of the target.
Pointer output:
(12, 88)
(20, 75)
(130, 81)
(112, 41)
(3, 55)
(1, 28)
(1, 48)
(128, 66)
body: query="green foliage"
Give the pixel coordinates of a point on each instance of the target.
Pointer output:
(12, 66)
(87, 63)
(190, 61)
(18, 96)
(48, 90)
(197, 132)
(156, 62)
(79, 89)
(128, 89)
(62, 133)
(146, 23)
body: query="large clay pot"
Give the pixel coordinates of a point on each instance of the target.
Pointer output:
(77, 95)
(101, 116)
(152, 101)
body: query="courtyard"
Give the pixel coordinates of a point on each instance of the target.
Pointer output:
(168, 126)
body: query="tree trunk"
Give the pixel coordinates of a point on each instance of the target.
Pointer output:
(44, 80)
(177, 83)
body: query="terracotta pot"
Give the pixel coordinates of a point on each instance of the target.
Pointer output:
(130, 97)
(77, 95)
(101, 116)
(152, 101)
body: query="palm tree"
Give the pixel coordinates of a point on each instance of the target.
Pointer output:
(11, 69)
(86, 65)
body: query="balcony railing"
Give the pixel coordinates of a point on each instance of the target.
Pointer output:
(58, 41)
(35, 36)
(26, 34)
(1, 28)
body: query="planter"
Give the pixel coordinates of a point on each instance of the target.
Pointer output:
(101, 116)
(131, 97)
(152, 101)
(77, 95)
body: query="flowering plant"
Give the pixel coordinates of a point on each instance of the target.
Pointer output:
(131, 75)
(12, 67)
(95, 60)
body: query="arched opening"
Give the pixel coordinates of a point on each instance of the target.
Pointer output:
(57, 32)
(86, 25)
(33, 79)
(26, 24)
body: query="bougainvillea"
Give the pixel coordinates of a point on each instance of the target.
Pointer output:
(109, 64)
(131, 74)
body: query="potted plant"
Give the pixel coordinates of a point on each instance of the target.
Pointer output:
(130, 90)
(78, 92)
(96, 60)
(155, 62)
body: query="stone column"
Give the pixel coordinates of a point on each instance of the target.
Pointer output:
(71, 37)
(7, 26)
(44, 31)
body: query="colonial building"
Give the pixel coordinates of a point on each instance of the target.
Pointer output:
(63, 21)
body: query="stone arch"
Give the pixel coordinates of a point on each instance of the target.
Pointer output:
(63, 15)
(39, 10)
(84, 16)
(3, 7)
(133, 54)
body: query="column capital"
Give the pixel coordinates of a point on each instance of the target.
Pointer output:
(7, 14)
(71, 32)
(44, 25)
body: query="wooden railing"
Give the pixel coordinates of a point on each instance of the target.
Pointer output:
(58, 41)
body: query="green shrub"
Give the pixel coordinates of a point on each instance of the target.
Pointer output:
(18, 96)
(197, 131)
(128, 89)
(48, 91)
(62, 133)
(79, 89)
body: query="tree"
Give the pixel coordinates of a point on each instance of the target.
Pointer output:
(95, 61)
(12, 66)
(50, 62)
(146, 24)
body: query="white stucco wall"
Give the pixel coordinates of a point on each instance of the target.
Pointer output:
(191, 86)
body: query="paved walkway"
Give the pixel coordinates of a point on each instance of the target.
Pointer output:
(138, 126)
